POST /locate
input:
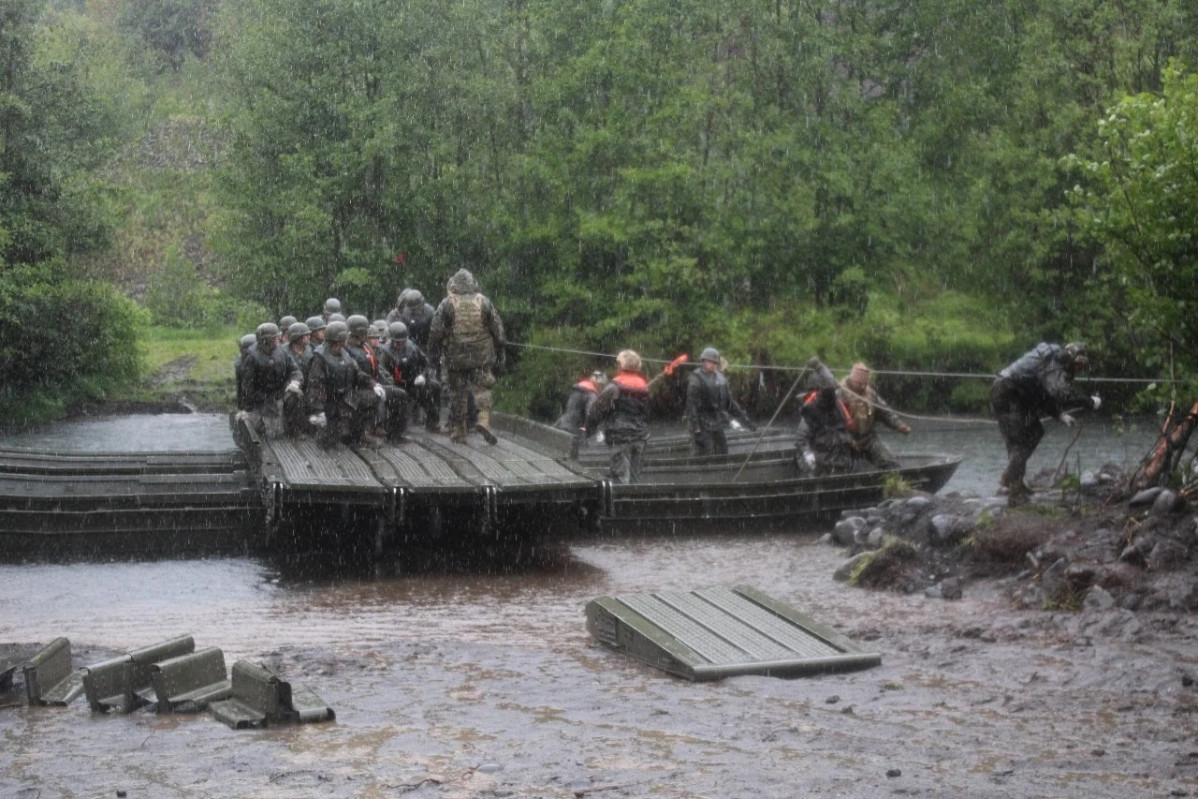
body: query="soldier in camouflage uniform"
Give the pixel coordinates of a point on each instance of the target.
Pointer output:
(866, 409)
(271, 383)
(342, 398)
(467, 332)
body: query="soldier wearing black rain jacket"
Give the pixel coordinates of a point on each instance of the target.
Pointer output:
(1039, 382)
(710, 407)
(341, 397)
(269, 381)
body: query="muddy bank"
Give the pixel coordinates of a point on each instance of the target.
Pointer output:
(488, 685)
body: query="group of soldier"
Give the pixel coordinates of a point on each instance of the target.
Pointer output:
(347, 380)
(839, 422)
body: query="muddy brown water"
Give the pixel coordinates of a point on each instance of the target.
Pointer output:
(477, 685)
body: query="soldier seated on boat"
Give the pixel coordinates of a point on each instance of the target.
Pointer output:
(409, 368)
(823, 444)
(341, 397)
(316, 326)
(866, 409)
(622, 409)
(578, 404)
(710, 407)
(391, 416)
(271, 383)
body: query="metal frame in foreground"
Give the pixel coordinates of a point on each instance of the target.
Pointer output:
(722, 632)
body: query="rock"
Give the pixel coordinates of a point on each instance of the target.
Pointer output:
(1167, 554)
(845, 570)
(918, 502)
(845, 532)
(1145, 497)
(1097, 598)
(875, 537)
(947, 529)
(1167, 502)
(951, 588)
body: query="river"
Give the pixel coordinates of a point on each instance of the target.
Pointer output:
(487, 684)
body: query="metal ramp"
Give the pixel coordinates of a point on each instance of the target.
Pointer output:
(722, 632)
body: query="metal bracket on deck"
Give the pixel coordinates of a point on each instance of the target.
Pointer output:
(396, 506)
(490, 508)
(605, 498)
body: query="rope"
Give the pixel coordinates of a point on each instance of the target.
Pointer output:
(800, 369)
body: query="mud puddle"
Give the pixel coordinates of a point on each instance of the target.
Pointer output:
(472, 685)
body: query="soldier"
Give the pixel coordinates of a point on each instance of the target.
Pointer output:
(393, 413)
(710, 407)
(468, 332)
(417, 315)
(243, 344)
(299, 345)
(341, 397)
(578, 404)
(331, 306)
(823, 443)
(622, 409)
(316, 326)
(271, 383)
(408, 367)
(866, 409)
(1040, 382)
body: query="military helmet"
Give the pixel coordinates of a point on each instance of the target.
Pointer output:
(398, 331)
(286, 322)
(710, 354)
(1078, 352)
(247, 341)
(358, 325)
(377, 330)
(332, 305)
(336, 331)
(414, 298)
(315, 323)
(336, 317)
(267, 331)
(598, 378)
(297, 331)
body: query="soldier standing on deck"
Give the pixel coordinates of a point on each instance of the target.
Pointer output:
(467, 332)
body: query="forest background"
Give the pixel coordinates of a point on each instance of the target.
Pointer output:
(932, 187)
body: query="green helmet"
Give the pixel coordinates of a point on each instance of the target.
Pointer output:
(358, 325)
(710, 354)
(297, 331)
(315, 323)
(336, 331)
(398, 331)
(267, 331)
(332, 305)
(286, 322)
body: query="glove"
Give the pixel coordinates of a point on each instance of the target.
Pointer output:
(735, 425)
(242, 416)
(904, 429)
(1096, 401)
(809, 459)
(294, 388)
(379, 392)
(1067, 420)
(600, 438)
(419, 381)
(318, 420)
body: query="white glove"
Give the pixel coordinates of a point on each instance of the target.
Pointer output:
(1067, 420)
(809, 459)
(242, 416)
(420, 381)
(318, 420)
(1096, 401)
(294, 388)
(379, 392)
(735, 425)
(599, 437)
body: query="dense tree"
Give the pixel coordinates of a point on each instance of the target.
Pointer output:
(61, 337)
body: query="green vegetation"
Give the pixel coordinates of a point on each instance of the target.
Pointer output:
(931, 187)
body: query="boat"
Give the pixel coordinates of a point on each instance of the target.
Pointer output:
(536, 486)
(756, 485)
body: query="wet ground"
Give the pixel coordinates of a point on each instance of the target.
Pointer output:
(479, 685)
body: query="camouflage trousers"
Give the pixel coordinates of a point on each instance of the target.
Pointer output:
(464, 385)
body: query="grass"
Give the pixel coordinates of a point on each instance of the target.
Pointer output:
(192, 365)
